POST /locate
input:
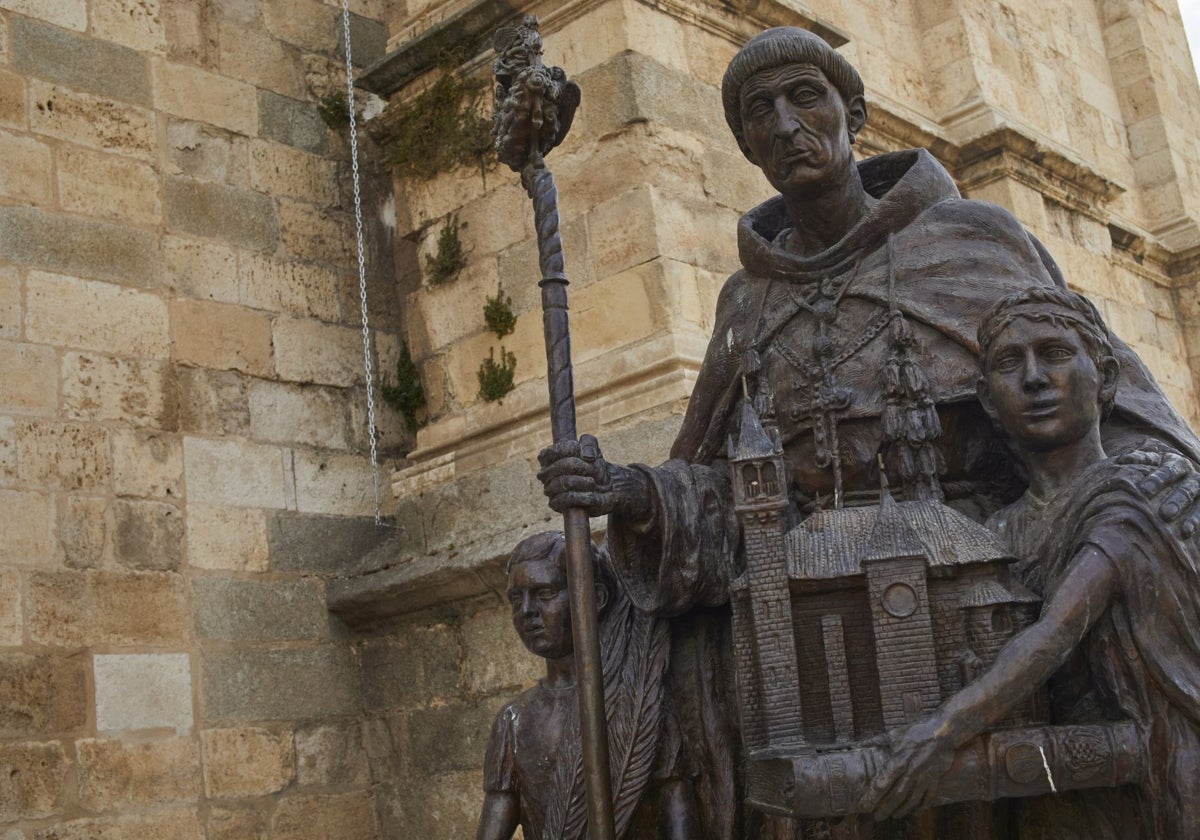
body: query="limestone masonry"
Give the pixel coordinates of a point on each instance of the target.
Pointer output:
(202, 632)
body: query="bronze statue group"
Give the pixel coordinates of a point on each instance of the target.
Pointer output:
(890, 326)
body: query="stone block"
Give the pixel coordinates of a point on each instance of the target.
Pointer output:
(147, 464)
(252, 610)
(200, 269)
(320, 235)
(12, 623)
(412, 668)
(92, 121)
(131, 391)
(8, 451)
(63, 456)
(114, 775)
(308, 291)
(148, 535)
(307, 414)
(221, 336)
(30, 381)
(308, 351)
(77, 61)
(196, 94)
(622, 232)
(78, 608)
(12, 97)
(331, 755)
(213, 402)
(26, 528)
(234, 472)
(228, 824)
(164, 824)
(100, 185)
(279, 169)
(495, 656)
(69, 14)
(26, 176)
(206, 153)
(43, 695)
(79, 247)
(234, 539)
(10, 303)
(499, 219)
(293, 122)
(323, 545)
(263, 62)
(247, 762)
(451, 737)
(310, 24)
(337, 484)
(288, 684)
(83, 529)
(233, 215)
(442, 805)
(137, 24)
(32, 780)
(137, 691)
(335, 815)
(89, 315)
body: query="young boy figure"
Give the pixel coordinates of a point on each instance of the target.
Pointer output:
(533, 772)
(1119, 633)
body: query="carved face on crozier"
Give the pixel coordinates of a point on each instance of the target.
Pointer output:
(1042, 384)
(797, 128)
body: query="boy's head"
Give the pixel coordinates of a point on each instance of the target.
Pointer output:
(1049, 371)
(537, 592)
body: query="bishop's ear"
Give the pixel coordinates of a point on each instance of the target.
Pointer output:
(601, 596)
(856, 115)
(1110, 374)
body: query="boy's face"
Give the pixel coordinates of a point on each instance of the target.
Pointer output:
(1042, 384)
(541, 611)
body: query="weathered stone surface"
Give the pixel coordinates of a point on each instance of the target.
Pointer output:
(79, 247)
(451, 737)
(305, 23)
(233, 215)
(442, 805)
(10, 303)
(331, 755)
(98, 388)
(85, 608)
(143, 691)
(32, 777)
(12, 98)
(147, 464)
(83, 529)
(27, 173)
(91, 121)
(293, 122)
(63, 456)
(221, 336)
(327, 545)
(148, 535)
(116, 774)
(338, 484)
(205, 97)
(88, 64)
(206, 153)
(12, 624)
(251, 610)
(247, 762)
(284, 413)
(339, 815)
(201, 269)
(30, 381)
(42, 695)
(102, 185)
(26, 520)
(95, 316)
(234, 472)
(279, 169)
(317, 234)
(234, 539)
(412, 667)
(213, 402)
(308, 291)
(224, 824)
(8, 451)
(167, 824)
(135, 23)
(293, 684)
(263, 62)
(308, 351)
(69, 14)
(495, 657)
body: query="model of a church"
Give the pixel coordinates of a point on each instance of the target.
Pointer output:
(856, 620)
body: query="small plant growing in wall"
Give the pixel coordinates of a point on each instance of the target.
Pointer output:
(498, 314)
(440, 129)
(335, 111)
(407, 396)
(449, 259)
(496, 378)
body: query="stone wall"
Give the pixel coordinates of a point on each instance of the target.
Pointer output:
(182, 441)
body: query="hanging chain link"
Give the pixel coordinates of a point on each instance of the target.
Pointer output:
(362, 265)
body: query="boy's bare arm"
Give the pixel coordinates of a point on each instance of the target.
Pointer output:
(500, 818)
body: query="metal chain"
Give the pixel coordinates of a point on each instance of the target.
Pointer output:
(362, 265)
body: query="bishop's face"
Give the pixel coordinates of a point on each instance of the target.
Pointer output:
(794, 127)
(541, 609)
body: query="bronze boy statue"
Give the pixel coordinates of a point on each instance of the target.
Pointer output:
(533, 770)
(1119, 633)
